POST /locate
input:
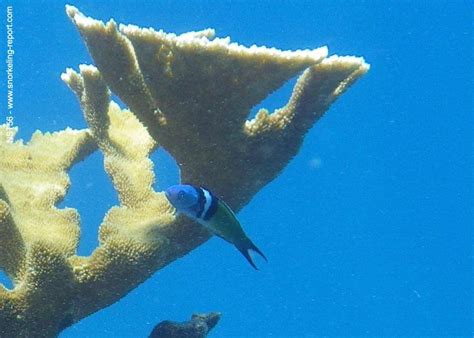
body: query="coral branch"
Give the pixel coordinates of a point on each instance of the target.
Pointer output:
(12, 247)
(33, 181)
(131, 245)
(315, 90)
(268, 134)
(113, 51)
(36, 237)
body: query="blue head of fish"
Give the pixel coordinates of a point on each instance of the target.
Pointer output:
(184, 198)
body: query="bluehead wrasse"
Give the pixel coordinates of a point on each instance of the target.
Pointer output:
(208, 210)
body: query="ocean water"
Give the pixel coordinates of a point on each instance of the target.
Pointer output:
(368, 231)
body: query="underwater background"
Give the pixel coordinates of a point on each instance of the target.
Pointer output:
(368, 231)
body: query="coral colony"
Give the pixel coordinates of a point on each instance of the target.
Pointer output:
(177, 88)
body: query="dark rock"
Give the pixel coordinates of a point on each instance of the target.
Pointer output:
(198, 327)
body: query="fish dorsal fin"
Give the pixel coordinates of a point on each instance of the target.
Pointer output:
(227, 209)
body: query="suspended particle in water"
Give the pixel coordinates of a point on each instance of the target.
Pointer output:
(315, 163)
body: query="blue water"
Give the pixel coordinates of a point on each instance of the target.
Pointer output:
(368, 230)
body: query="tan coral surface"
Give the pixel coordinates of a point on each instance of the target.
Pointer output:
(190, 94)
(35, 237)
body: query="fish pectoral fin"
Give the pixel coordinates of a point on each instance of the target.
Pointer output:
(245, 248)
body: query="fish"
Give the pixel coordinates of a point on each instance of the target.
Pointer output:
(204, 207)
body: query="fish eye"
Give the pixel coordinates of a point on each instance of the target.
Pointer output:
(181, 195)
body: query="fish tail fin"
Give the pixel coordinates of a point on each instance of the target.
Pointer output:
(245, 247)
